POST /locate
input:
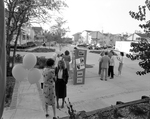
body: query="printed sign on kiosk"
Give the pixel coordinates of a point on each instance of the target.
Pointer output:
(79, 66)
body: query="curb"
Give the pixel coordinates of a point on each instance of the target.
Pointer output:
(13, 104)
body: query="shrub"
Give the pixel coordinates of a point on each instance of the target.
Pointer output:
(138, 109)
(43, 50)
(10, 83)
(41, 62)
(18, 58)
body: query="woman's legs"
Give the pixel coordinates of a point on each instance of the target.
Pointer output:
(63, 101)
(46, 108)
(120, 68)
(57, 102)
(54, 110)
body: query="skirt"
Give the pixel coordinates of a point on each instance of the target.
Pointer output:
(120, 67)
(49, 94)
(61, 88)
(67, 65)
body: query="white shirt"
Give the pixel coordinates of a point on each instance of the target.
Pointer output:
(112, 61)
(60, 73)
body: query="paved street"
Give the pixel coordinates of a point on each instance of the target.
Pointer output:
(94, 94)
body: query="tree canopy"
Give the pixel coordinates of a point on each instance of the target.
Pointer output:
(57, 31)
(141, 49)
(20, 13)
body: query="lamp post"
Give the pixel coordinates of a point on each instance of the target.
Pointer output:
(2, 58)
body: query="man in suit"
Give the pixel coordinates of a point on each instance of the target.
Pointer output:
(105, 61)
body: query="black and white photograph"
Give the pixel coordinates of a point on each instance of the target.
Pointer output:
(74, 59)
(81, 53)
(80, 63)
(79, 73)
(79, 80)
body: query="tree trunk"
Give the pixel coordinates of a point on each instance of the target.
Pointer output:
(8, 39)
(15, 46)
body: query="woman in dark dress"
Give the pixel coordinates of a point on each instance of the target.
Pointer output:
(61, 74)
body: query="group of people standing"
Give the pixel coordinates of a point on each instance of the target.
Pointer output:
(55, 76)
(107, 63)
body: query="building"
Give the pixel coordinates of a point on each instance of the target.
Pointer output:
(86, 36)
(38, 34)
(97, 37)
(76, 37)
(27, 35)
(138, 36)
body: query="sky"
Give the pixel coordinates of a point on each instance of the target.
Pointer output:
(103, 15)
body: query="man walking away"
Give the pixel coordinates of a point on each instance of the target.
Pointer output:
(105, 61)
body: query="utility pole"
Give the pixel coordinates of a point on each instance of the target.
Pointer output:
(102, 30)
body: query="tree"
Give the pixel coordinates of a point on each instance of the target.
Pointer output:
(57, 31)
(142, 48)
(22, 12)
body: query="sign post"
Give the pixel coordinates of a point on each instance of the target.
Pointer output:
(79, 66)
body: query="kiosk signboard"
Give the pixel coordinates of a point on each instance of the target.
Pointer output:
(79, 66)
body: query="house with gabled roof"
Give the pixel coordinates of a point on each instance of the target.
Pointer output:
(86, 36)
(76, 37)
(139, 36)
(38, 33)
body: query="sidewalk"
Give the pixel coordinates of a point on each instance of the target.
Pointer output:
(27, 102)
(94, 94)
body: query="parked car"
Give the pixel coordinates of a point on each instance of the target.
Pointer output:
(82, 45)
(91, 47)
(109, 46)
(98, 47)
(95, 47)
(31, 44)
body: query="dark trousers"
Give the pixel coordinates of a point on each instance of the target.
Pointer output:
(111, 71)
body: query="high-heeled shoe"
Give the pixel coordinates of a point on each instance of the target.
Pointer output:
(47, 115)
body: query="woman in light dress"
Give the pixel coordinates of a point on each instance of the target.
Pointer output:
(121, 61)
(49, 86)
